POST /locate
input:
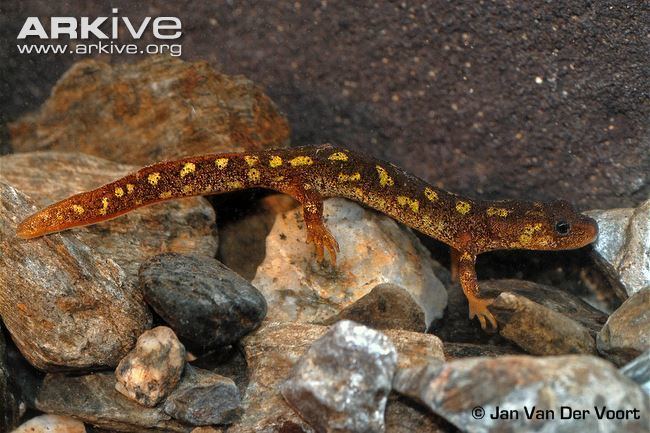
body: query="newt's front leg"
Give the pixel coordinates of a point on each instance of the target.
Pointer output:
(477, 306)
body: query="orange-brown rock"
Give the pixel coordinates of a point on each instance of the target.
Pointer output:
(160, 108)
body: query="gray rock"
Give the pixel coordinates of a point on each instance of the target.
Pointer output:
(342, 382)
(538, 329)
(467, 392)
(623, 246)
(204, 398)
(627, 331)
(273, 350)
(51, 424)
(639, 370)
(153, 368)
(92, 398)
(65, 306)
(386, 307)
(9, 401)
(178, 226)
(201, 299)
(374, 249)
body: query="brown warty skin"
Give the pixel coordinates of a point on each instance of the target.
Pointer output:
(312, 173)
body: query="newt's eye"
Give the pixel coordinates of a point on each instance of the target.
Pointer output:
(562, 228)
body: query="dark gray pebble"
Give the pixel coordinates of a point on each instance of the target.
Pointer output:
(201, 299)
(204, 398)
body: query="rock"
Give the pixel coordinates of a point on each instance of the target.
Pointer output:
(92, 398)
(180, 225)
(466, 392)
(404, 415)
(65, 306)
(627, 331)
(157, 109)
(51, 424)
(271, 353)
(469, 350)
(342, 382)
(9, 401)
(374, 249)
(639, 370)
(623, 246)
(201, 299)
(204, 398)
(386, 307)
(541, 319)
(153, 368)
(539, 330)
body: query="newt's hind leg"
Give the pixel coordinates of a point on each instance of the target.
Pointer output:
(478, 307)
(317, 233)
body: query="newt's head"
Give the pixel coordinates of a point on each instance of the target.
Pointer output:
(541, 226)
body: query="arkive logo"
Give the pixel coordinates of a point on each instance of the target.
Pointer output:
(166, 28)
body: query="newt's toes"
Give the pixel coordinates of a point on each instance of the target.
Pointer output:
(479, 308)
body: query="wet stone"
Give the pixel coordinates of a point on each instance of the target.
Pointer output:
(51, 424)
(455, 390)
(627, 332)
(639, 370)
(185, 225)
(386, 307)
(623, 246)
(374, 249)
(204, 398)
(157, 109)
(65, 306)
(92, 398)
(273, 350)
(201, 299)
(153, 368)
(342, 382)
(543, 320)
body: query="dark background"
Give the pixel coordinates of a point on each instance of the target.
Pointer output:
(506, 99)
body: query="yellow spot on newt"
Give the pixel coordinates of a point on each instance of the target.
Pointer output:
(119, 192)
(301, 160)
(278, 179)
(430, 194)
(78, 209)
(129, 188)
(498, 211)
(462, 207)
(466, 256)
(104, 208)
(358, 192)
(254, 175)
(221, 163)
(410, 202)
(188, 168)
(275, 161)
(166, 194)
(384, 178)
(349, 177)
(188, 189)
(528, 232)
(153, 178)
(251, 160)
(235, 185)
(338, 156)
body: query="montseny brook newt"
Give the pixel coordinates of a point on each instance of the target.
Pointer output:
(312, 173)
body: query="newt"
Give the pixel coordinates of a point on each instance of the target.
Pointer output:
(313, 173)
